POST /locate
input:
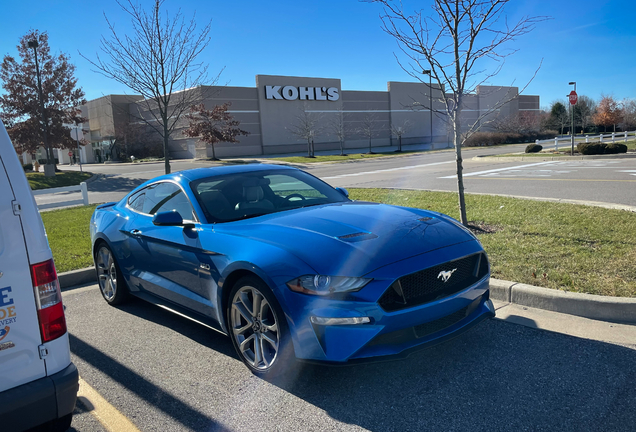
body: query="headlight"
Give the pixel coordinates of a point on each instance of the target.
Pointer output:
(325, 285)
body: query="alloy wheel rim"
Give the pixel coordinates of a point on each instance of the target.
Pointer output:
(255, 328)
(107, 273)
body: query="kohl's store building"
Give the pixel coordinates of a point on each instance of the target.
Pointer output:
(270, 111)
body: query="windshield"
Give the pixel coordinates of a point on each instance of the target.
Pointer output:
(244, 195)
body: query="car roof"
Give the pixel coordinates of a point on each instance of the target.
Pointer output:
(199, 173)
(188, 176)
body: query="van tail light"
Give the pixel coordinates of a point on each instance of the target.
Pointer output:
(48, 298)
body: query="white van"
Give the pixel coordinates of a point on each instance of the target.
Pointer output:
(38, 382)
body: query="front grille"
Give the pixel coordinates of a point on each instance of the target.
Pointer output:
(440, 324)
(409, 334)
(428, 285)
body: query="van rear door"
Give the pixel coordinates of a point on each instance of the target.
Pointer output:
(20, 361)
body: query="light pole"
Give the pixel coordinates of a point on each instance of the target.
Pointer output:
(430, 94)
(49, 168)
(572, 130)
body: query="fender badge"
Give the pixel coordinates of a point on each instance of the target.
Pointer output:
(446, 275)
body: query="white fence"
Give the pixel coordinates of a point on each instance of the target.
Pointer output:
(80, 188)
(612, 137)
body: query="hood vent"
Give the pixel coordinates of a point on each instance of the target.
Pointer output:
(355, 237)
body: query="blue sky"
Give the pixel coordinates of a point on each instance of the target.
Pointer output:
(588, 41)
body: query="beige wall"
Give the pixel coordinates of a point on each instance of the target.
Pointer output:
(410, 108)
(279, 116)
(270, 115)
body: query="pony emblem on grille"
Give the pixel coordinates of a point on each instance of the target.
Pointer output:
(446, 275)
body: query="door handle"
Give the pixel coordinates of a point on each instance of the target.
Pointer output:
(135, 232)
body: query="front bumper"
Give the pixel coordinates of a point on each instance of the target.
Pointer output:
(39, 401)
(388, 333)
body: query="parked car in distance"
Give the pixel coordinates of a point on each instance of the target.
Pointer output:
(289, 267)
(38, 381)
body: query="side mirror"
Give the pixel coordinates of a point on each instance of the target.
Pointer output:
(171, 218)
(343, 191)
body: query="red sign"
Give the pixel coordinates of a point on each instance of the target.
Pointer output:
(573, 97)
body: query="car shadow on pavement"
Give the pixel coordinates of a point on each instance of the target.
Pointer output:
(194, 331)
(132, 381)
(497, 376)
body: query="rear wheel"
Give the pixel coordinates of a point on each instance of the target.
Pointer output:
(111, 282)
(258, 329)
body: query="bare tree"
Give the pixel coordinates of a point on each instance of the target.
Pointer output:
(158, 61)
(368, 127)
(306, 127)
(452, 42)
(629, 114)
(398, 130)
(337, 127)
(584, 111)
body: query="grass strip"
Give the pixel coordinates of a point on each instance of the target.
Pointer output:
(69, 237)
(553, 245)
(63, 178)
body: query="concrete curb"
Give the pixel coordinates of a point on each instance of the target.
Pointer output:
(93, 178)
(77, 277)
(603, 308)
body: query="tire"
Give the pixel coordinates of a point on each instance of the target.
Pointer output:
(258, 329)
(111, 282)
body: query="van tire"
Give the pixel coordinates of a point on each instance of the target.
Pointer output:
(109, 278)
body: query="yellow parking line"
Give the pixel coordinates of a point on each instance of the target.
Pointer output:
(108, 416)
(552, 179)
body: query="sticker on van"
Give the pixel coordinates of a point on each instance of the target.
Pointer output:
(7, 311)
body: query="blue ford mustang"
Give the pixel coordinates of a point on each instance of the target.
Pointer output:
(289, 267)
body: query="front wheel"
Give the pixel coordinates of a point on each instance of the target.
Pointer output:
(111, 282)
(258, 329)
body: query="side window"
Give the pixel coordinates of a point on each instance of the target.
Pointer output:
(136, 201)
(164, 197)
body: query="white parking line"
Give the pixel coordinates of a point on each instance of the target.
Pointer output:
(499, 169)
(386, 170)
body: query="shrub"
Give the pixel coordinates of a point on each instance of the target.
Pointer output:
(533, 148)
(592, 148)
(28, 167)
(615, 148)
(596, 148)
(495, 138)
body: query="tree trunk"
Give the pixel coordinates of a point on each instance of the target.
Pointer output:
(308, 147)
(460, 177)
(213, 153)
(400, 143)
(370, 146)
(166, 153)
(341, 148)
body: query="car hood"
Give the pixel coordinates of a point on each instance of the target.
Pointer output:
(353, 238)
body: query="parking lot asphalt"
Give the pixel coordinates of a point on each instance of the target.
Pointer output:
(591, 180)
(164, 372)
